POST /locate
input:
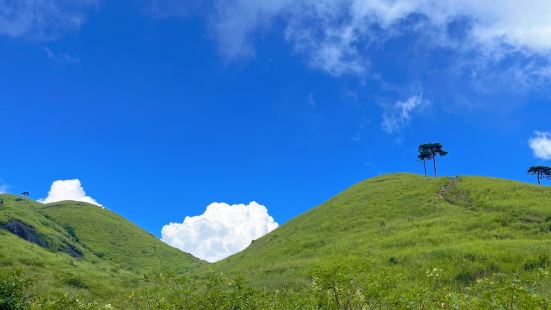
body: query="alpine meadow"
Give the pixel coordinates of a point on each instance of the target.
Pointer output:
(275, 154)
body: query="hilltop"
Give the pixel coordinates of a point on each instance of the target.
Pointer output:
(79, 247)
(396, 240)
(468, 227)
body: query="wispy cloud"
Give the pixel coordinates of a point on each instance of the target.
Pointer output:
(541, 145)
(399, 114)
(3, 188)
(61, 58)
(334, 34)
(166, 8)
(312, 100)
(42, 20)
(471, 48)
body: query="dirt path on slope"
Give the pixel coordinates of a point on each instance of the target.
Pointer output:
(453, 195)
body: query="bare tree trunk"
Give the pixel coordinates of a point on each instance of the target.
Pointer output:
(434, 164)
(539, 179)
(425, 166)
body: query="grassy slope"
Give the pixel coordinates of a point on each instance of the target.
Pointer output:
(117, 240)
(116, 252)
(469, 227)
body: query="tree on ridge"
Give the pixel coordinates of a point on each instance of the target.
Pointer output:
(424, 155)
(432, 149)
(540, 172)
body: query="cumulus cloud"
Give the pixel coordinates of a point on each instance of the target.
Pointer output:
(221, 231)
(42, 19)
(541, 145)
(68, 190)
(399, 115)
(3, 189)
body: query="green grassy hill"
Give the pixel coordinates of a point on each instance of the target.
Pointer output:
(82, 248)
(468, 227)
(400, 240)
(115, 239)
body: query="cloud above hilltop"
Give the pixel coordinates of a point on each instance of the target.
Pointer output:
(68, 190)
(222, 230)
(540, 144)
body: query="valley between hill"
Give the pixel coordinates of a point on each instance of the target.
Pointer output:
(395, 236)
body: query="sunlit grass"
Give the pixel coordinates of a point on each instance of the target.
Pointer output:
(469, 227)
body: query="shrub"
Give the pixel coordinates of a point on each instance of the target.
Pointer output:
(71, 232)
(13, 290)
(332, 287)
(63, 301)
(465, 277)
(541, 262)
(76, 282)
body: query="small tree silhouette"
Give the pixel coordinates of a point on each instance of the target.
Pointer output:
(424, 155)
(540, 172)
(431, 150)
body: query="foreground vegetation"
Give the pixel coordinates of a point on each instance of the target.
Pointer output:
(394, 241)
(330, 288)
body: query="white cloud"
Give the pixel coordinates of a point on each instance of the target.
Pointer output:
(237, 20)
(399, 114)
(335, 35)
(3, 189)
(42, 19)
(68, 190)
(221, 231)
(541, 145)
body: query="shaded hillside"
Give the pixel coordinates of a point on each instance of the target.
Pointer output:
(74, 246)
(113, 238)
(469, 227)
(394, 241)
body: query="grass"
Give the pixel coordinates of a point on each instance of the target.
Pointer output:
(469, 227)
(115, 253)
(111, 237)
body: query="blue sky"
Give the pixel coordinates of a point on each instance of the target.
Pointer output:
(162, 107)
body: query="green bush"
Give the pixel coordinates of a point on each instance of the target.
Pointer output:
(343, 288)
(63, 301)
(541, 262)
(76, 282)
(14, 290)
(71, 232)
(331, 287)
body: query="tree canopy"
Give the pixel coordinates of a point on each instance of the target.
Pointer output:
(430, 151)
(541, 172)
